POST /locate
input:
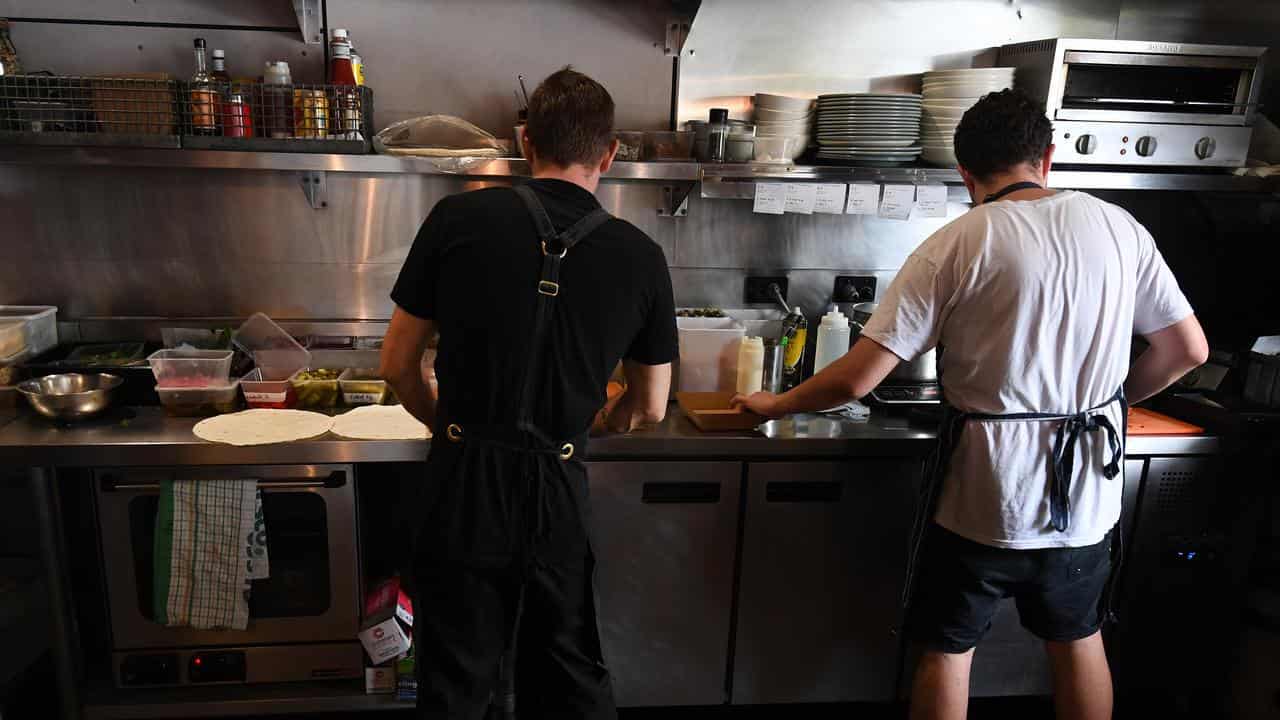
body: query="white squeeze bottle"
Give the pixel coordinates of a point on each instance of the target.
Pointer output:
(833, 339)
(750, 365)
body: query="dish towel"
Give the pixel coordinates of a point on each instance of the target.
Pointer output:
(210, 543)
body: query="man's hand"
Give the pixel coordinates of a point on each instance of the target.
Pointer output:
(402, 349)
(761, 403)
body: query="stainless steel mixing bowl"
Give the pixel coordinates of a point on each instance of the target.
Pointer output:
(70, 396)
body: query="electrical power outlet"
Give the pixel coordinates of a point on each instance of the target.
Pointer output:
(854, 289)
(758, 291)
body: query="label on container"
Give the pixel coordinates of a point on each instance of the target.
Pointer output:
(770, 198)
(863, 199)
(801, 197)
(897, 201)
(266, 397)
(931, 200)
(362, 398)
(829, 198)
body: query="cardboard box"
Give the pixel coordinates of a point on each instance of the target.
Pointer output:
(388, 599)
(385, 641)
(380, 680)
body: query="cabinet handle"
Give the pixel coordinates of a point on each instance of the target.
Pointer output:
(803, 491)
(335, 479)
(681, 492)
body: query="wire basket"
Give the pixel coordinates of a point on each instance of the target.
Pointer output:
(276, 118)
(104, 110)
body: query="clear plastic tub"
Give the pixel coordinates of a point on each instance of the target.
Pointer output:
(274, 394)
(107, 355)
(708, 354)
(200, 401)
(363, 387)
(275, 352)
(317, 394)
(39, 329)
(191, 368)
(630, 145)
(13, 338)
(668, 145)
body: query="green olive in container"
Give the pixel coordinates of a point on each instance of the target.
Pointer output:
(363, 387)
(316, 388)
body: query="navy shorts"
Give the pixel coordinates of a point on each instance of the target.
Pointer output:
(960, 584)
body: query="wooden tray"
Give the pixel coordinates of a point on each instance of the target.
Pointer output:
(710, 412)
(1147, 422)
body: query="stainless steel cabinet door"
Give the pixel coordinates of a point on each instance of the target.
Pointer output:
(823, 562)
(665, 536)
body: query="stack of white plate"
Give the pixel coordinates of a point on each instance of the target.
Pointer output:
(947, 95)
(870, 128)
(783, 116)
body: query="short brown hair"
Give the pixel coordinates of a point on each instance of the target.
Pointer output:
(570, 119)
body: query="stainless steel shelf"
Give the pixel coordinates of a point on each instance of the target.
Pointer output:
(728, 175)
(312, 162)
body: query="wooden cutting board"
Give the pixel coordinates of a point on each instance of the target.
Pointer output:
(710, 412)
(1148, 422)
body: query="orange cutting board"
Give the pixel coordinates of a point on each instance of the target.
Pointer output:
(710, 412)
(1146, 422)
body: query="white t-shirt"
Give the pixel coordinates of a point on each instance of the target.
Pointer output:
(1035, 304)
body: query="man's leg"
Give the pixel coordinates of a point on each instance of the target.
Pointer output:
(941, 687)
(1081, 679)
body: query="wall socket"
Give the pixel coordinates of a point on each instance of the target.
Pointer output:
(854, 289)
(757, 291)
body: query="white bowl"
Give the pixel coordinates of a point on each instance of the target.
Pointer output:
(769, 114)
(780, 124)
(782, 102)
(961, 91)
(970, 73)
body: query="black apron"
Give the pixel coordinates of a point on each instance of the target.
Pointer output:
(504, 552)
(1070, 427)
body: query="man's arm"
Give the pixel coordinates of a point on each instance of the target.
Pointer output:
(402, 350)
(851, 377)
(1174, 352)
(644, 402)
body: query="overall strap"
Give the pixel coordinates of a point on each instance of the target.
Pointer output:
(1015, 187)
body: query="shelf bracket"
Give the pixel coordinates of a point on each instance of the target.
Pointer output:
(677, 33)
(315, 188)
(310, 23)
(675, 200)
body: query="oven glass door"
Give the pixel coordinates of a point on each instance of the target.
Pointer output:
(311, 594)
(1136, 88)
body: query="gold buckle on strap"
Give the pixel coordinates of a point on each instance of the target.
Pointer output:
(566, 452)
(454, 433)
(548, 288)
(562, 252)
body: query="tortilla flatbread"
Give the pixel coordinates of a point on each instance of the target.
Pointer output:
(261, 426)
(380, 422)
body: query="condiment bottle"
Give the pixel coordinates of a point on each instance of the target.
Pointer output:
(220, 67)
(795, 334)
(750, 365)
(277, 101)
(833, 339)
(204, 99)
(717, 134)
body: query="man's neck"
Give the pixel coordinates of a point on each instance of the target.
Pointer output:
(998, 182)
(580, 175)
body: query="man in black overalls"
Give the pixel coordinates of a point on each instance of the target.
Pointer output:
(536, 293)
(1034, 297)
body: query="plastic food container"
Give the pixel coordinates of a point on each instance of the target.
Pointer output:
(668, 145)
(630, 145)
(363, 387)
(200, 401)
(273, 350)
(777, 149)
(38, 329)
(196, 338)
(274, 394)
(316, 394)
(708, 354)
(191, 368)
(110, 355)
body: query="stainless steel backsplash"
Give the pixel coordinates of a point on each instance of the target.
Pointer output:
(121, 242)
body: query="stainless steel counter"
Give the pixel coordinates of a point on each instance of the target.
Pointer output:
(146, 436)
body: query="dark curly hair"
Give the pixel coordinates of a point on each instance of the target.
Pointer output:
(1002, 130)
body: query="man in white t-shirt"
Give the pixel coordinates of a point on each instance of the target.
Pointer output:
(1034, 297)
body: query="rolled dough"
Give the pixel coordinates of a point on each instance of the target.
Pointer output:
(261, 426)
(380, 422)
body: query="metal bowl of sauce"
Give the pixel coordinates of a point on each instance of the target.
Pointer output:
(70, 396)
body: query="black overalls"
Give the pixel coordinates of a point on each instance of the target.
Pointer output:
(1070, 426)
(503, 563)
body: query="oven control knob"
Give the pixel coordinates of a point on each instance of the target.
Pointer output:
(1146, 146)
(1205, 147)
(1087, 144)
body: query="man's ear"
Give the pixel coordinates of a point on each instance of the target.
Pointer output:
(526, 147)
(1046, 162)
(970, 183)
(607, 161)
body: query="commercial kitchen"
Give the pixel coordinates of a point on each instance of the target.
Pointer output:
(151, 205)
